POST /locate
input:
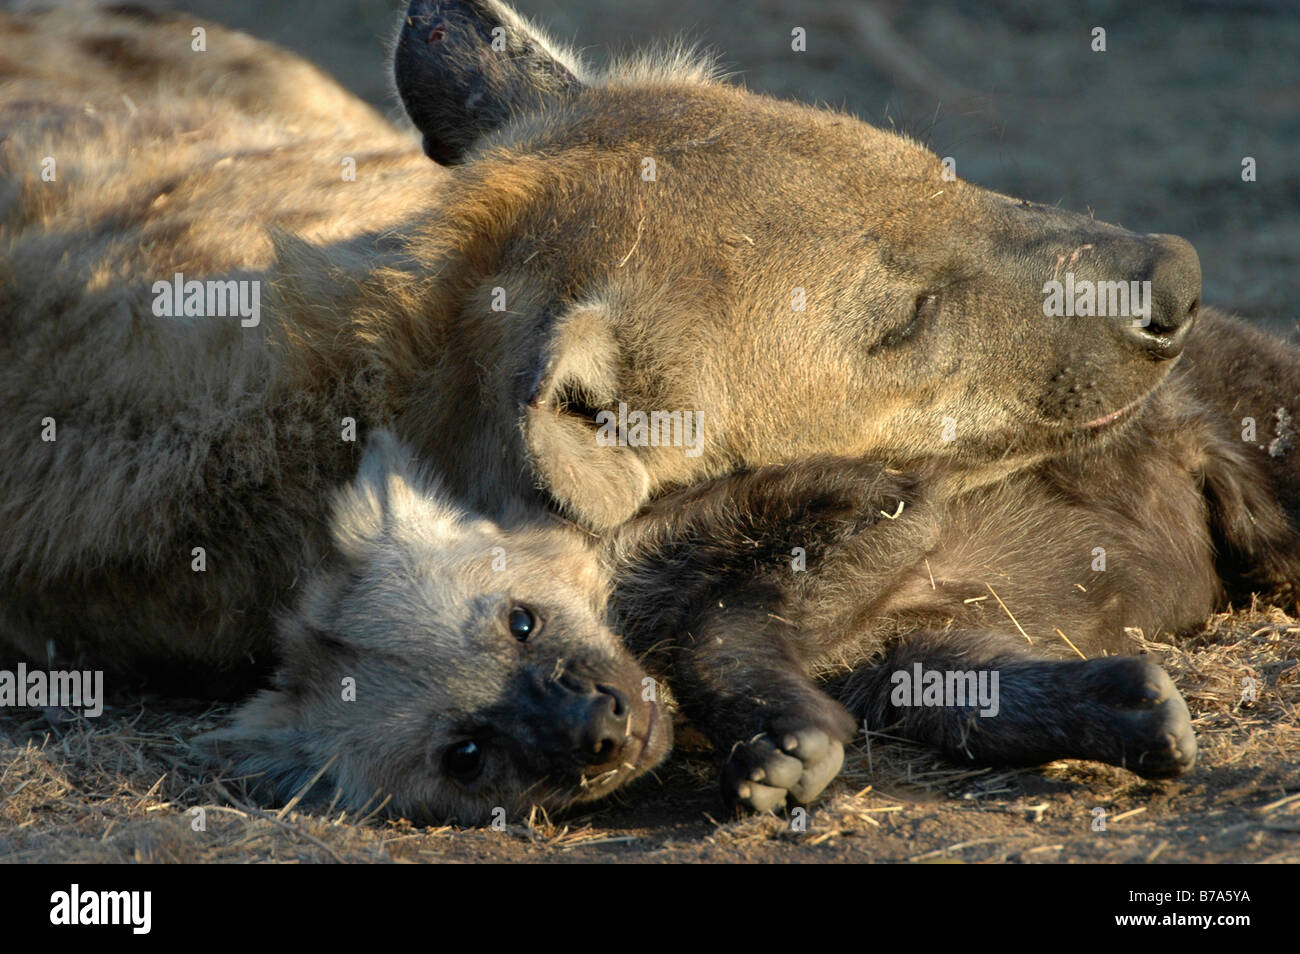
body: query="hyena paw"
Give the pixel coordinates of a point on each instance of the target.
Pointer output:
(1148, 714)
(793, 761)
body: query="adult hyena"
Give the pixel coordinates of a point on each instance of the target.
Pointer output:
(647, 238)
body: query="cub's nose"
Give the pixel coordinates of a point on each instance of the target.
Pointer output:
(602, 738)
(589, 720)
(1175, 276)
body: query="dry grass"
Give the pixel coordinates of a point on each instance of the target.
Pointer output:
(124, 787)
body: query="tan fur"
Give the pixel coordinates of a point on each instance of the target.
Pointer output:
(171, 432)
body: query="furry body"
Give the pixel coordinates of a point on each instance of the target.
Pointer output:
(808, 284)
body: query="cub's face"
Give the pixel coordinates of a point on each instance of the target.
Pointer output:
(806, 283)
(448, 665)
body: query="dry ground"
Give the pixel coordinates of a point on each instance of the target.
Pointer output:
(1151, 135)
(124, 787)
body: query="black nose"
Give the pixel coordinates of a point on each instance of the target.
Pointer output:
(1174, 271)
(590, 720)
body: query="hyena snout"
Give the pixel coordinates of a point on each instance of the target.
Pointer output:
(1138, 293)
(1174, 271)
(589, 723)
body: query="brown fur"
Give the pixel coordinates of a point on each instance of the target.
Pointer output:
(907, 569)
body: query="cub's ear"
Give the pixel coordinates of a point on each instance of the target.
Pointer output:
(389, 498)
(463, 67)
(267, 745)
(597, 482)
(386, 465)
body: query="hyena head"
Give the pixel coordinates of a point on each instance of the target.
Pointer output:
(448, 664)
(652, 239)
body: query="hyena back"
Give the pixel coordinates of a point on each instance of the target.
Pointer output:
(170, 470)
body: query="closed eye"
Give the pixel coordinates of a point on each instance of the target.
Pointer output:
(923, 309)
(571, 398)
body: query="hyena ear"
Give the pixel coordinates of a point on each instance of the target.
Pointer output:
(463, 67)
(266, 744)
(597, 482)
(390, 498)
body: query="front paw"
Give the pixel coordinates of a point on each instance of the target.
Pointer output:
(793, 761)
(1147, 714)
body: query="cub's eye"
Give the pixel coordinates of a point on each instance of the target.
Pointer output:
(463, 762)
(522, 623)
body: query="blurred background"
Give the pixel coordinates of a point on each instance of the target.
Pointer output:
(1150, 134)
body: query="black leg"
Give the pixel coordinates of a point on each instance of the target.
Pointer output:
(1123, 710)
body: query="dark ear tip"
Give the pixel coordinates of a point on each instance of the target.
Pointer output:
(463, 67)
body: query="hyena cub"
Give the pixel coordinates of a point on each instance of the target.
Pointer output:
(781, 603)
(453, 665)
(449, 664)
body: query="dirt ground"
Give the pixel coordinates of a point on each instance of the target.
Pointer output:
(124, 787)
(1150, 134)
